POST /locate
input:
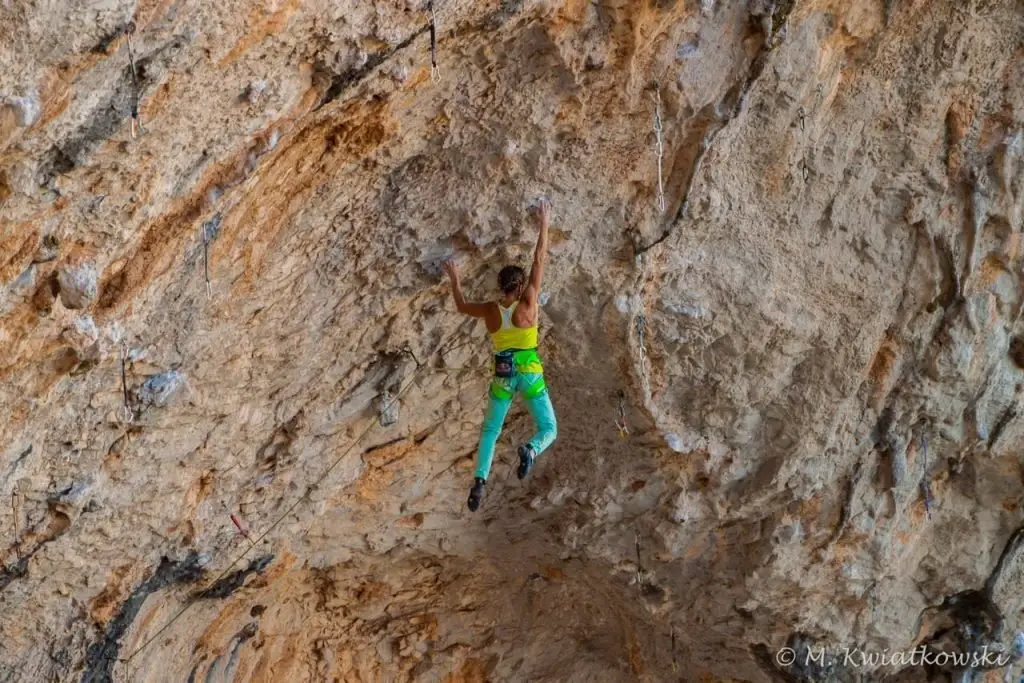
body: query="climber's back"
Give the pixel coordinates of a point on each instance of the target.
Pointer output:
(513, 322)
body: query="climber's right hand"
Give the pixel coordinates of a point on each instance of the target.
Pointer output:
(543, 210)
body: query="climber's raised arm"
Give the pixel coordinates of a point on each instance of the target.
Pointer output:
(540, 254)
(465, 307)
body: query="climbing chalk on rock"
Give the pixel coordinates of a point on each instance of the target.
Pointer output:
(25, 109)
(159, 389)
(48, 250)
(387, 409)
(77, 285)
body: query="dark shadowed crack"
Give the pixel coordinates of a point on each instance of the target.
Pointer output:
(106, 41)
(342, 82)
(735, 100)
(57, 525)
(16, 571)
(1013, 544)
(102, 655)
(501, 16)
(235, 580)
(969, 622)
(1000, 426)
(105, 119)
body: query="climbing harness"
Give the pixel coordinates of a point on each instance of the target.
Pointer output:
(136, 121)
(127, 414)
(659, 147)
(620, 423)
(435, 72)
(513, 365)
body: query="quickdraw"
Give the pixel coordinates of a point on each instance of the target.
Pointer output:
(136, 121)
(435, 72)
(805, 171)
(659, 148)
(620, 423)
(209, 233)
(926, 490)
(127, 414)
(17, 535)
(238, 524)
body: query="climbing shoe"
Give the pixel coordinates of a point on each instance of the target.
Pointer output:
(475, 494)
(526, 458)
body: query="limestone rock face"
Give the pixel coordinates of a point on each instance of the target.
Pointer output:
(816, 344)
(77, 286)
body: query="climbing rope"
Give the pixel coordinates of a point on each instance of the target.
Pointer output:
(136, 91)
(274, 525)
(435, 72)
(659, 147)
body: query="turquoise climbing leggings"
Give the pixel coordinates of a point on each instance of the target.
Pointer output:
(499, 400)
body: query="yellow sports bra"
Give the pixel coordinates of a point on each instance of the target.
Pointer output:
(510, 336)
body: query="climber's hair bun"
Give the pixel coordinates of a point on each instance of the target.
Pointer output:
(511, 279)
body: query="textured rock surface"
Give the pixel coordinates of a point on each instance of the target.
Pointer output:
(819, 342)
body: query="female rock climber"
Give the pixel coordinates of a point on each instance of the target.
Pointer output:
(512, 323)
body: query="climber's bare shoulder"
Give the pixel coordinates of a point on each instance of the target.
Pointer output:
(526, 312)
(492, 316)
